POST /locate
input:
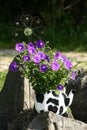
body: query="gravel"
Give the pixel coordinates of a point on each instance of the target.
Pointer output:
(8, 52)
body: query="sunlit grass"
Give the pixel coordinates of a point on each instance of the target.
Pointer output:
(2, 79)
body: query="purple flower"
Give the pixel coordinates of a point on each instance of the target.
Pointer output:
(43, 68)
(41, 55)
(68, 64)
(26, 58)
(36, 59)
(60, 87)
(55, 66)
(56, 56)
(31, 50)
(20, 47)
(40, 44)
(63, 58)
(47, 58)
(13, 66)
(30, 44)
(73, 76)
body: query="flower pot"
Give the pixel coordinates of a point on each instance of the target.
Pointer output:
(50, 101)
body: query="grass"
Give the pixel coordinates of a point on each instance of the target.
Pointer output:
(2, 79)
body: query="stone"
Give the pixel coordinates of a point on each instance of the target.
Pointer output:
(22, 120)
(3, 121)
(27, 116)
(11, 96)
(79, 105)
(15, 95)
(50, 121)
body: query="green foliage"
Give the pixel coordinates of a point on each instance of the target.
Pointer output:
(6, 38)
(45, 68)
(69, 110)
(62, 33)
(67, 36)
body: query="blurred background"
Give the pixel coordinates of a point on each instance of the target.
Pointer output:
(65, 22)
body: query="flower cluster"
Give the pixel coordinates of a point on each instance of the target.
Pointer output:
(45, 68)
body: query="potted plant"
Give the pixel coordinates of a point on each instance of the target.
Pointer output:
(47, 71)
